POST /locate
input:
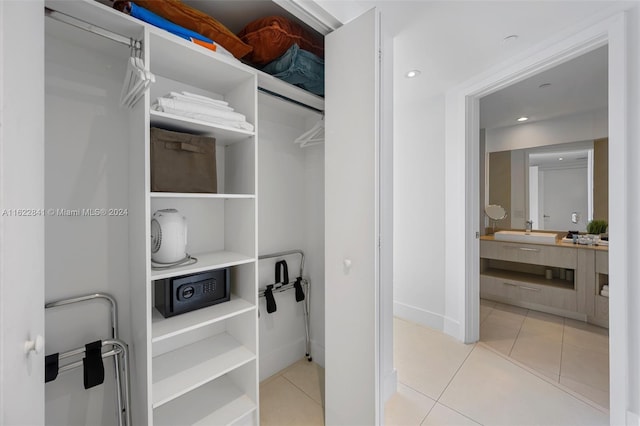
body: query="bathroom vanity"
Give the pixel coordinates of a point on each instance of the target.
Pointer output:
(559, 278)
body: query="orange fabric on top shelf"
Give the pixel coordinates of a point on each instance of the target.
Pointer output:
(195, 20)
(272, 36)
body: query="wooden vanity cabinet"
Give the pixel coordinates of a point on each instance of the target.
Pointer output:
(561, 280)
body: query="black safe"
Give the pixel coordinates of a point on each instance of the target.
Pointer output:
(186, 293)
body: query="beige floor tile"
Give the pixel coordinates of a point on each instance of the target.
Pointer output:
(598, 396)
(585, 366)
(499, 333)
(494, 391)
(540, 353)
(406, 407)
(587, 336)
(270, 378)
(425, 359)
(544, 321)
(441, 415)
(308, 377)
(484, 312)
(283, 404)
(539, 343)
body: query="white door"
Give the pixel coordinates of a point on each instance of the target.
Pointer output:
(21, 220)
(351, 222)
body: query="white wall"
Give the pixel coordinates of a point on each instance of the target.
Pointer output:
(290, 216)
(419, 213)
(86, 166)
(579, 127)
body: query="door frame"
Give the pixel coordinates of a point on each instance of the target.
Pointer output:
(462, 189)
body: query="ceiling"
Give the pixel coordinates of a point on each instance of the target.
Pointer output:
(564, 155)
(454, 41)
(579, 85)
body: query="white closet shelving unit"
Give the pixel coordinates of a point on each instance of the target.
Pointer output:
(204, 362)
(200, 367)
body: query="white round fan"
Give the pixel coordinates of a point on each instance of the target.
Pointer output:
(168, 236)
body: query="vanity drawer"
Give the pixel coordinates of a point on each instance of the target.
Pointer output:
(536, 254)
(518, 291)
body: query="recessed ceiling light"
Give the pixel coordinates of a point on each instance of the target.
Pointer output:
(544, 85)
(560, 158)
(510, 38)
(523, 119)
(412, 73)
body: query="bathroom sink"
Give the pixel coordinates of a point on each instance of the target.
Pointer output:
(522, 237)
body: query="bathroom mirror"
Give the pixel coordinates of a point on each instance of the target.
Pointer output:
(559, 187)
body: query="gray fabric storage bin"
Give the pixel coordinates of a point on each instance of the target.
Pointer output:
(181, 162)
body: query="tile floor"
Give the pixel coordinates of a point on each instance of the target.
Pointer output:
(572, 353)
(293, 396)
(444, 382)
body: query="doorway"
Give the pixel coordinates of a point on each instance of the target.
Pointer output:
(462, 175)
(537, 150)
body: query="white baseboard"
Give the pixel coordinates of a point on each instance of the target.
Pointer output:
(452, 328)
(419, 315)
(633, 419)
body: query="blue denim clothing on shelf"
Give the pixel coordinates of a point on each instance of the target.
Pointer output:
(300, 68)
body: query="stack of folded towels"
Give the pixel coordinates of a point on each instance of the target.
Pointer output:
(605, 290)
(199, 107)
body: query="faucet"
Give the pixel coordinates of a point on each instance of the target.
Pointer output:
(529, 226)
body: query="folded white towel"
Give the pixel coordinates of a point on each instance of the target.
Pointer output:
(199, 108)
(179, 96)
(204, 98)
(604, 293)
(605, 287)
(243, 125)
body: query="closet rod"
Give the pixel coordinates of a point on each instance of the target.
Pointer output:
(286, 99)
(83, 25)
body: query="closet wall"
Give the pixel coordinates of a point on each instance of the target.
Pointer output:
(290, 216)
(86, 167)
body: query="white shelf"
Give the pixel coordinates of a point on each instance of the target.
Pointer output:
(165, 328)
(209, 70)
(217, 403)
(206, 261)
(189, 367)
(280, 87)
(224, 135)
(201, 195)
